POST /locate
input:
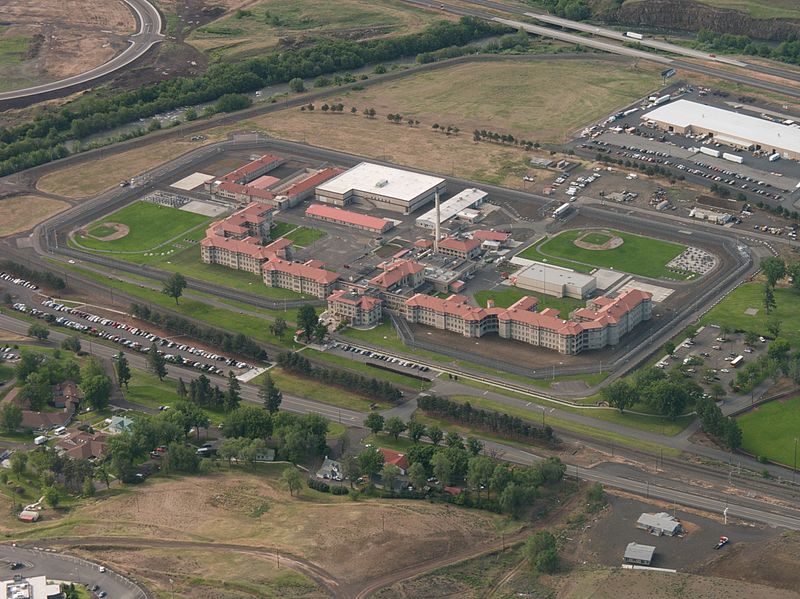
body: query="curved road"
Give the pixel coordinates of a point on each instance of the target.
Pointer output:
(148, 34)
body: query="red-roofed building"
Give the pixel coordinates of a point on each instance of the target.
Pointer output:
(395, 458)
(498, 236)
(347, 218)
(423, 244)
(83, 446)
(466, 249)
(355, 309)
(594, 327)
(301, 278)
(255, 220)
(400, 273)
(66, 393)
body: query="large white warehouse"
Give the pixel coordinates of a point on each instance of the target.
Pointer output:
(728, 127)
(388, 188)
(554, 280)
(469, 198)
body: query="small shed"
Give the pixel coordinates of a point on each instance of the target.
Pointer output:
(659, 524)
(28, 516)
(637, 554)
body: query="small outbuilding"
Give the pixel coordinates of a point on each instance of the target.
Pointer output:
(640, 555)
(659, 524)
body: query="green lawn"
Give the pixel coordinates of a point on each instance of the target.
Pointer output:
(302, 236)
(15, 70)
(6, 372)
(505, 296)
(772, 429)
(291, 384)
(151, 225)
(730, 312)
(637, 255)
(368, 371)
(145, 389)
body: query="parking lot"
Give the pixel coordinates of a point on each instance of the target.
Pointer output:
(383, 360)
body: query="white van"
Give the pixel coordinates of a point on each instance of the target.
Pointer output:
(60, 430)
(40, 440)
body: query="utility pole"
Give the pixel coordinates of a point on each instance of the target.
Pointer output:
(794, 469)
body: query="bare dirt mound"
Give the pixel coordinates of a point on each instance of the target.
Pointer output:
(598, 240)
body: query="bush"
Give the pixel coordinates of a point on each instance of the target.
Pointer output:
(318, 485)
(340, 490)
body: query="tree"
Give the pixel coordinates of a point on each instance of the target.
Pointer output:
(296, 85)
(668, 398)
(319, 332)
(669, 347)
(291, 479)
(270, 395)
(474, 446)
(72, 344)
(51, 497)
(774, 269)
(174, 286)
(479, 473)
(453, 439)
(416, 430)
(351, 468)
(10, 417)
(417, 476)
(156, 362)
(123, 370)
(38, 331)
(536, 544)
(769, 299)
(36, 390)
(88, 488)
(278, 327)
(750, 338)
(442, 467)
(374, 422)
(370, 461)
(717, 391)
(307, 320)
(181, 391)
(774, 327)
(233, 395)
(435, 434)
(97, 391)
(395, 426)
(547, 561)
(19, 462)
(620, 394)
(248, 421)
(180, 458)
(389, 474)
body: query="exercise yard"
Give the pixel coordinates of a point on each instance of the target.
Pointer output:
(581, 250)
(139, 227)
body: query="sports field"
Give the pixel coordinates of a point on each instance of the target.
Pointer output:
(637, 255)
(149, 226)
(263, 25)
(771, 429)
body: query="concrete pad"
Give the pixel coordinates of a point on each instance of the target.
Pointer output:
(248, 376)
(751, 311)
(192, 181)
(659, 293)
(204, 208)
(606, 279)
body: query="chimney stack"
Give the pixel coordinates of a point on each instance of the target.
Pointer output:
(436, 225)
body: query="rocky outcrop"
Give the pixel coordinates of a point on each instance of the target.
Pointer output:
(692, 16)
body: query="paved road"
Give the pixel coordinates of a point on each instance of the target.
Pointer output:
(69, 569)
(148, 35)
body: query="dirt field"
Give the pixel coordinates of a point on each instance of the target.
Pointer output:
(85, 180)
(419, 147)
(514, 97)
(61, 37)
(20, 213)
(351, 540)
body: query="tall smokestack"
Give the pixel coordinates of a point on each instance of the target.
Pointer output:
(436, 225)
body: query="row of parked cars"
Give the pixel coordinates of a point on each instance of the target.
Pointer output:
(378, 356)
(132, 344)
(17, 281)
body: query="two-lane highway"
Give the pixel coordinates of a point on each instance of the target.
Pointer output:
(147, 35)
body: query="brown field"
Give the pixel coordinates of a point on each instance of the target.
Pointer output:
(20, 213)
(59, 38)
(351, 540)
(84, 180)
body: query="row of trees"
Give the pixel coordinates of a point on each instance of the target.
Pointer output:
(42, 139)
(40, 277)
(357, 383)
(724, 429)
(503, 138)
(665, 395)
(786, 51)
(499, 423)
(239, 343)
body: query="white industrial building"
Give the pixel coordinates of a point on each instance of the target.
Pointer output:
(719, 218)
(659, 524)
(728, 127)
(461, 202)
(554, 280)
(31, 587)
(388, 188)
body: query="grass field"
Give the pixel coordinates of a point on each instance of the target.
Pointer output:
(758, 9)
(505, 296)
(302, 236)
(151, 225)
(500, 96)
(13, 55)
(637, 255)
(20, 213)
(730, 311)
(771, 430)
(264, 24)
